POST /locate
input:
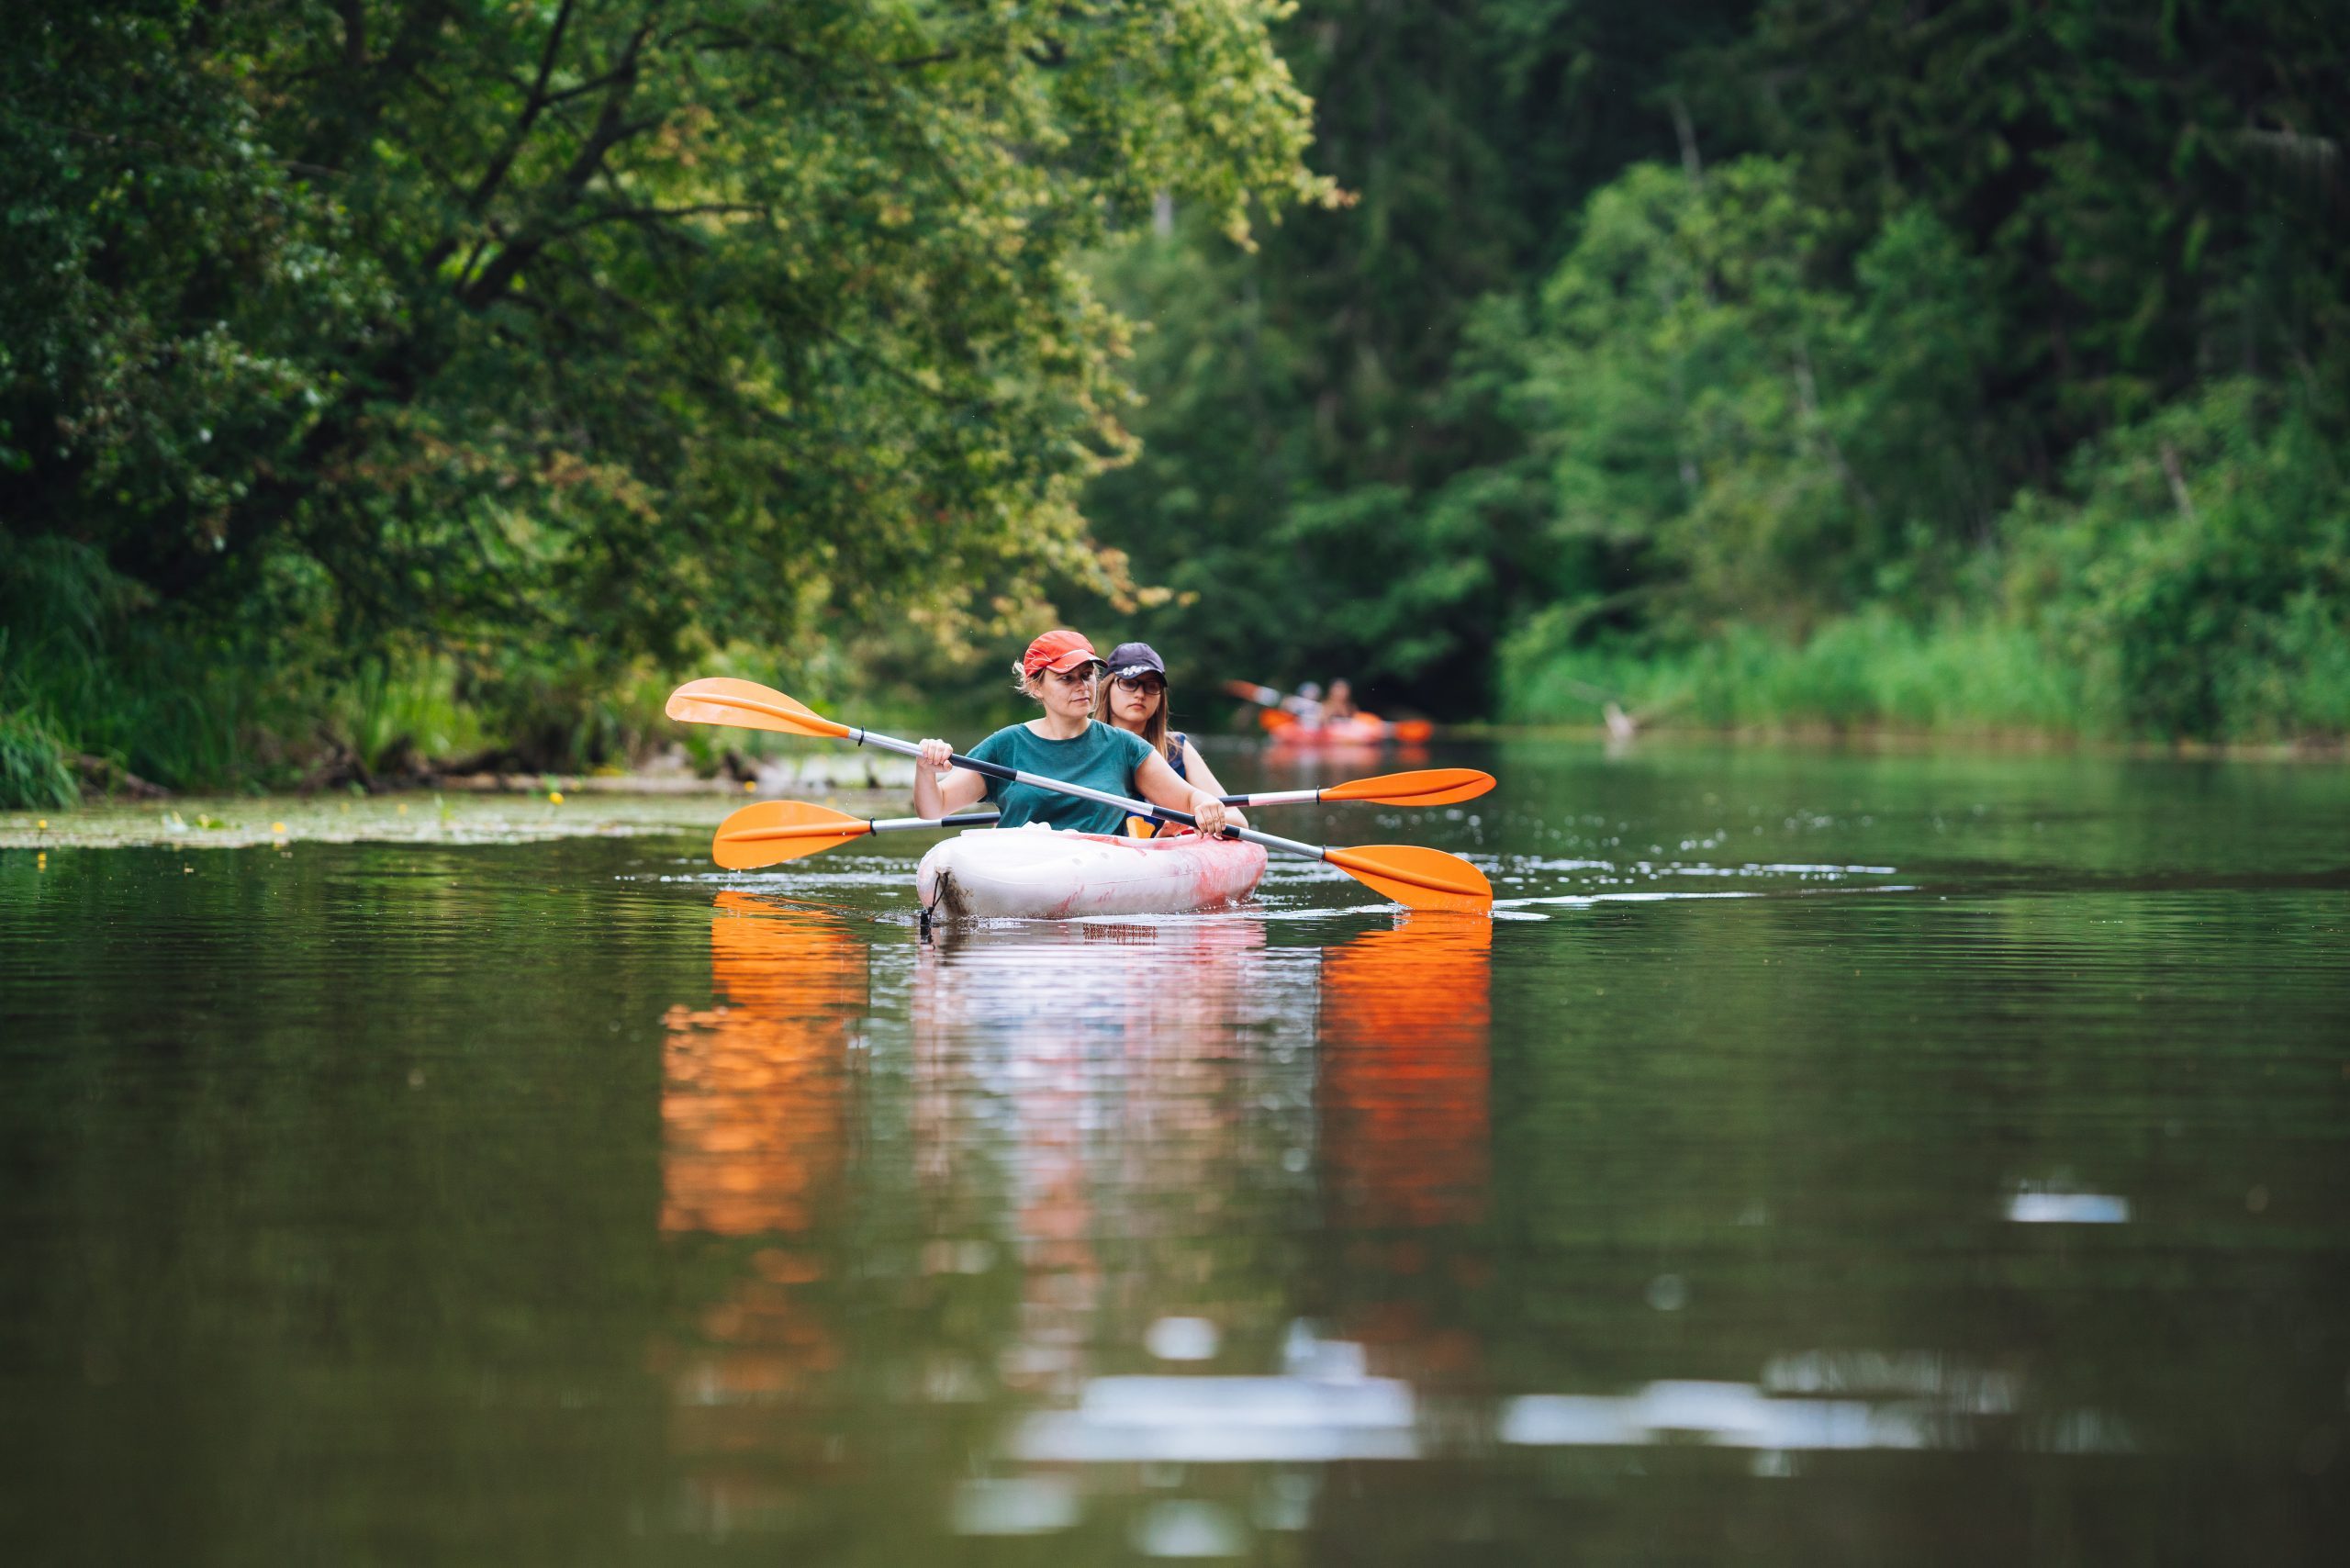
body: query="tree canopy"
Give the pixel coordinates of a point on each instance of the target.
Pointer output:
(1656, 325)
(641, 326)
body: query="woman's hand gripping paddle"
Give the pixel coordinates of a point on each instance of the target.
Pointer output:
(1407, 874)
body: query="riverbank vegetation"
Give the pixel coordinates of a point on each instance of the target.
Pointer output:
(1975, 365)
(551, 345)
(429, 378)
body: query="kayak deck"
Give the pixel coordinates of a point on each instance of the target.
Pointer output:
(1035, 873)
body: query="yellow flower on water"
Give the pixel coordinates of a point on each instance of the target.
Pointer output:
(749, 785)
(554, 797)
(277, 827)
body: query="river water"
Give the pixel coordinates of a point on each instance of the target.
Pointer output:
(1822, 1158)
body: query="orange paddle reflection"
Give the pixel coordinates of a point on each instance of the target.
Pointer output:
(1404, 1113)
(756, 1107)
(753, 1098)
(1406, 1031)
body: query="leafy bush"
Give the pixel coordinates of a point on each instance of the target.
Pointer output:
(1766, 432)
(2200, 577)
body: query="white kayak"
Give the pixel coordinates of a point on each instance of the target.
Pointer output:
(1035, 873)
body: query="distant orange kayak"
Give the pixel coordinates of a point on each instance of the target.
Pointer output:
(1291, 721)
(1359, 729)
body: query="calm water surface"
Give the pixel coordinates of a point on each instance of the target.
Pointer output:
(1821, 1158)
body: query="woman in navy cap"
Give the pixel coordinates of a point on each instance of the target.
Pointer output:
(1133, 697)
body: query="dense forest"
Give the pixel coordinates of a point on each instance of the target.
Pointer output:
(1971, 363)
(382, 378)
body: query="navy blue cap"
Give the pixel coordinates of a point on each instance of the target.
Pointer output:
(1136, 658)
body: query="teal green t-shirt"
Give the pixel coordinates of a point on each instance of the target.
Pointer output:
(1103, 758)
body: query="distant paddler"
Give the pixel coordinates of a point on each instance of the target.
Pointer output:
(1059, 672)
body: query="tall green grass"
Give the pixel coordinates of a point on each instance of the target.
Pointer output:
(33, 766)
(1875, 669)
(90, 664)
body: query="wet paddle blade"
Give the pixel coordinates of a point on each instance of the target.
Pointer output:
(745, 704)
(1417, 877)
(775, 830)
(1428, 787)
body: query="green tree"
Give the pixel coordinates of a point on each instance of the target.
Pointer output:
(1305, 425)
(2156, 191)
(614, 331)
(2198, 569)
(1735, 432)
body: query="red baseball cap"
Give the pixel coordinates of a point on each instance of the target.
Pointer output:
(1061, 650)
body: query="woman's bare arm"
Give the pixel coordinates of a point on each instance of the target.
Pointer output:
(935, 797)
(1161, 788)
(1196, 769)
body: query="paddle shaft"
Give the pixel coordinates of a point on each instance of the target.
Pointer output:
(997, 771)
(1274, 798)
(903, 824)
(870, 824)
(1426, 786)
(1263, 798)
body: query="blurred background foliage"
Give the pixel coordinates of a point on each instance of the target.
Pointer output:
(1971, 365)
(540, 347)
(386, 380)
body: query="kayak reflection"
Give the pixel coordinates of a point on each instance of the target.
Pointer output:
(1134, 1096)
(1194, 1125)
(1154, 1191)
(1286, 758)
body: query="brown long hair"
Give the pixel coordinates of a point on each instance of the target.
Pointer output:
(1153, 729)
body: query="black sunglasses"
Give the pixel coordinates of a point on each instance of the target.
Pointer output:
(1150, 683)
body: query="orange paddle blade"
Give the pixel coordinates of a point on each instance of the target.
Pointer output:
(775, 830)
(1413, 730)
(1417, 877)
(1274, 719)
(1429, 787)
(721, 699)
(1249, 691)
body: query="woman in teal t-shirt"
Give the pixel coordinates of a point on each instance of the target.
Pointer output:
(1059, 671)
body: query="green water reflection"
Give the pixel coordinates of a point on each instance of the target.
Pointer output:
(1823, 1158)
